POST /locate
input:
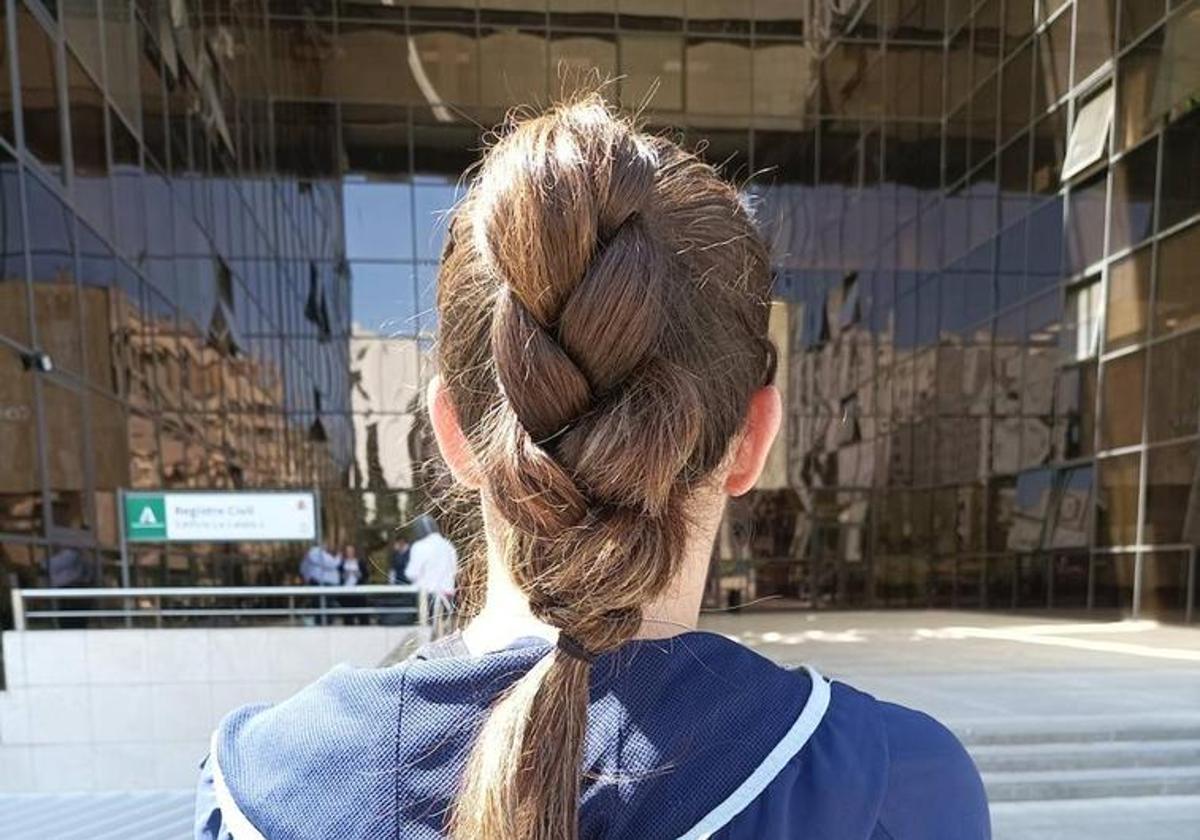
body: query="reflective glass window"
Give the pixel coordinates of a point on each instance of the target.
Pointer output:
(1017, 78)
(1112, 581)
(1177, 303)
(383, 298)
(1074, 412)
(14, 301)
(378, 220)
(81, 22)
(64, 429)
(1085, 240)
(1181, 161)
(1117, 502)
(522, 54)
(20, 477)
(1137, 74)
(1137, 17)
(1070, 525)
(1128, 310)
(55, 308)
(1122, 388)
(1081, 326)
(6, 94)
(1052, 79)
(1165, 578)
(121, 59)
(781, 80)
(718, 76)
(651, 71)
(1049, 148)
(1095, 22)
(1133, 197)
(38, 65)
(1175, 388)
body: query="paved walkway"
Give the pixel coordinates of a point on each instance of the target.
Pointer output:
(968, 667)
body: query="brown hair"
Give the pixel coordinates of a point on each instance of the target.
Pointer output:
(603, 298)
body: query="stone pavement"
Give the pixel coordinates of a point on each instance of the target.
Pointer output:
(1085, 705)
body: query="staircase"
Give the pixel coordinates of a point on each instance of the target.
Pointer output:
(1087, 758)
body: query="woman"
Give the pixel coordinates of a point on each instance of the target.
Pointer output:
(605, 386)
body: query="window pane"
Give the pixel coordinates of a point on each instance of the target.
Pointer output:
(781, 80)
(1181, 163)
(1137, 72)
(39, 89)
(1095, 21)
(450, 60)
(1137, 17)
(1164, 585)
(378, 219)
(1031, 509)
(519, 59)
(1089, 135)
(1133, 197)
(1073, 514)
(718, 77)
(574, 57)
(383, 298)
(63, 417)
(1172, 489)
(1177, 306)
(56, 313)
(1054, 63)
(1085, 243)
(1112, 581)
(14, 301)
(20, 477)
(81, 22)
(1082, 322)
(6, 97)
(1121, 402)
(1117, 510)
(1175, 388)
(652, 63)
(1128, 308)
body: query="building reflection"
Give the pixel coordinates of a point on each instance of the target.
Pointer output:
(221, 223)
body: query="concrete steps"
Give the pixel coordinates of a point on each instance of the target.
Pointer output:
(1084, 758)
(1045, 785)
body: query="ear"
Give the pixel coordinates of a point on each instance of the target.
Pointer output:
(762, 424)
(451, 441)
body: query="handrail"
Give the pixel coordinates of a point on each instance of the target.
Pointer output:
(214, 591)
(135, 606)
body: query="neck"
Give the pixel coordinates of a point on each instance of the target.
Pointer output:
(506, 615)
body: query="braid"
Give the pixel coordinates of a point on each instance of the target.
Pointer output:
(603, 302)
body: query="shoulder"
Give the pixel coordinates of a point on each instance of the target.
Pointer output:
(926, 760)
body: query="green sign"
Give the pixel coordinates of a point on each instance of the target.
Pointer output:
(146, 517)
(220, 516)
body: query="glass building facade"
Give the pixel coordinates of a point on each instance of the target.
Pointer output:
(222, 219)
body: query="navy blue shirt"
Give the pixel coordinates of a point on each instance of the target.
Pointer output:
(691, 737)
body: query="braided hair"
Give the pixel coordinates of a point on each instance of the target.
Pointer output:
(603, 301)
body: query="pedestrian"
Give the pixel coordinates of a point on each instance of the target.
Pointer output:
(321, 567)
(604, 386)
(351, 575)
(432, 564)
(67, 568)
(398, 562)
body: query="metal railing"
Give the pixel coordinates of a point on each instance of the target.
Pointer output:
(224, 605)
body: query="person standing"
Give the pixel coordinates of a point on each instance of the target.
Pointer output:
(351, 574)
(320, 567)
(398, 562)
(432, 564)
